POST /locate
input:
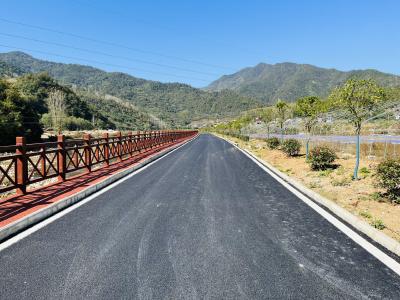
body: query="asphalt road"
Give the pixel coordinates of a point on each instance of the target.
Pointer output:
(202, 223)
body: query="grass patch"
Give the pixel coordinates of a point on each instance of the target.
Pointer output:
(315, 185)
(343, 181)
(325, 173)
(287, 171)
(365, 171)
(377, 196)
(340, 171)
(366, 214)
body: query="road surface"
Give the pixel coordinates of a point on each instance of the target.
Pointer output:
(205, 222)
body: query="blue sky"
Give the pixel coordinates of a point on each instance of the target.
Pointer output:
(197, 41)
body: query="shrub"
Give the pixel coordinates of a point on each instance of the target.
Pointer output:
(378, 224)
(273, 143)
(74, 123)
(388, 174)
(238, 136)
(244, 138)
(321, 158)
(291, 147)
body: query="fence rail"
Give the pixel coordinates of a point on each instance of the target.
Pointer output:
(24, 164)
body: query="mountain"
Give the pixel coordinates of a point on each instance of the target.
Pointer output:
(7, 70)
(290, 81)
(172, 104)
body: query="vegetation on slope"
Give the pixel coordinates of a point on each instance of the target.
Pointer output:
(24, 108)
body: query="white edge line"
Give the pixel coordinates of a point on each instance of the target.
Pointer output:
(377, 253)
(67, 210)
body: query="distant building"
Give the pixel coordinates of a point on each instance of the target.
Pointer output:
(397, 116)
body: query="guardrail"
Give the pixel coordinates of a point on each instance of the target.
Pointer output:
(24, 164)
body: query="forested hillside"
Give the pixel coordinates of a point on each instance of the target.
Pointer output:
(175, 104)
(291, 81)
(26, 108)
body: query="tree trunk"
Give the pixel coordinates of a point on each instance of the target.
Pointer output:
(355, 174)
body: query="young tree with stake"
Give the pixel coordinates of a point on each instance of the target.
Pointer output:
(359, 97)
(268, 116)
(309, 108)
(281, 110)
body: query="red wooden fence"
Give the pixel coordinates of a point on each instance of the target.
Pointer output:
(24, 164)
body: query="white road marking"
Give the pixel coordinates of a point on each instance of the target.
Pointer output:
(62, 213)
(377, 253)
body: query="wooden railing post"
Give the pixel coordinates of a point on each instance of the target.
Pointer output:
(130, 144)
(142, 140)
(61, 158)
(106, 149)
(119, 145)
(150, 139)
(146, 139)
(43, 161)
(87, 152)
(139, 141)
(21, 165)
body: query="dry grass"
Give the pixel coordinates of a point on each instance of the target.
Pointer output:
(359, 197)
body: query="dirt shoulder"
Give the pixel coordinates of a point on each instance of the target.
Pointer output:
(358, 197)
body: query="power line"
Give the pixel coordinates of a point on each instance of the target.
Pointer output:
(113, 44)
(104, 53)
(162, 27)
(102, 63)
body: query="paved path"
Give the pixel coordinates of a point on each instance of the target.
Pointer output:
(202, 223)
(17, 207)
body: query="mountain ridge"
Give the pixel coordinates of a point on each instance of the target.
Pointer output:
(289, 81)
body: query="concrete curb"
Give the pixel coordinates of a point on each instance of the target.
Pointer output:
(36, 217)
(377, 236)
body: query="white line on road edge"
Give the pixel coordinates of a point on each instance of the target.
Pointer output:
(379, 254)
(62, 213)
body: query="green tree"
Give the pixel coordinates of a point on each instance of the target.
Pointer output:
(282, 112)
(18, 115)
(359, 97)
(309, 108)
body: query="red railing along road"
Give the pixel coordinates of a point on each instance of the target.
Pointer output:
(24, 164)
